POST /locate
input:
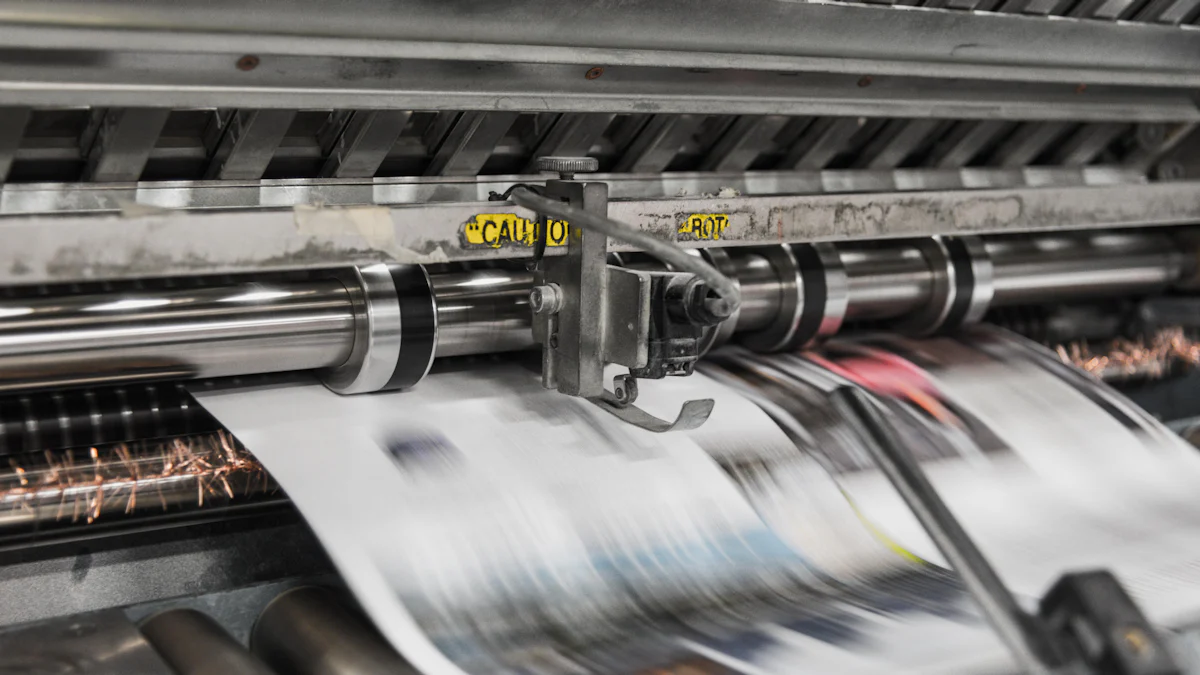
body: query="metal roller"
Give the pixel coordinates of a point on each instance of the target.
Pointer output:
(193, 644)
(309, 631)
(380, 326)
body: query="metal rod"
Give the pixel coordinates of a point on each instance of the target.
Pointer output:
(195, 644)
(308, 631)
(885, 283)
(1037, 269)
(206, 332)
(1019, 631)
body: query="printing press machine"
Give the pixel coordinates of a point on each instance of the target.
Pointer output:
(357, 188)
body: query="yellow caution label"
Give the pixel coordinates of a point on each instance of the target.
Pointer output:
(494, 230)
(706, 226)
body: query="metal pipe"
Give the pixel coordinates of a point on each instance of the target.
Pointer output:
(1039, 269)
(194, 644)
(204, 332)
(885, 283)
(308, 631)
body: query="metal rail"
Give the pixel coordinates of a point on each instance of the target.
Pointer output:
(709, 34)
(67, 248)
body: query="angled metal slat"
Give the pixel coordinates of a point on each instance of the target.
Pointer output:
(250, 140)
(821, 142)
(743, 142)
(895, 143)
(1029, 141)
(12, 129)
(364, 143)
(1083, 145)
(658, 142)
(470, 142)
(1101, 9)
(123, 144)
(965, 142)
(572, 135)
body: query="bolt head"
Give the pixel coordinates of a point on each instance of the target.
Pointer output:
(545, 299)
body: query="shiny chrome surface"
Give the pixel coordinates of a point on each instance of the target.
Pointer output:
(483, 311)
(376, 333)
(205, 332)
(885, 282)
(256, 328)
(1036, 269)
(761, 294)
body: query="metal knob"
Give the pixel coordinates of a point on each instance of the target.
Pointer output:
(567, 167)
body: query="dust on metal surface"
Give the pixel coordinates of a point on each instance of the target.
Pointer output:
(36, 250)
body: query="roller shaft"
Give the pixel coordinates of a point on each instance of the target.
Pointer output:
(72, 341)
(253, 328)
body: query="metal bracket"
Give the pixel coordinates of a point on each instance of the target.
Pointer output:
(588, 313)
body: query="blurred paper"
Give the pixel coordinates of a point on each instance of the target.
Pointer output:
(487, 525)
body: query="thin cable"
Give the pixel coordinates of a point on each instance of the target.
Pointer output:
(729, 298)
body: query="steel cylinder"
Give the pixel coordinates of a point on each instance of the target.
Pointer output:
(205, 332)
(485, 307)
(309, 631)
(1039, 269)
(885, 282)
(194, 644)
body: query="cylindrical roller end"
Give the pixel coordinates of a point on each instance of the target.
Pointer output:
(193, 644)
(309, 631)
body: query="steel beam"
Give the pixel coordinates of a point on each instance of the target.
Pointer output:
(123, 144)
(364, 143)
(12, 129)
(249, 143)
(469, 143)
(149, 79)
(572, 135)
(37, 249)
(40, 198)
(752, 34)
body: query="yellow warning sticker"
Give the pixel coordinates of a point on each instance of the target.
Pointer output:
(494, 230)
(706, 226)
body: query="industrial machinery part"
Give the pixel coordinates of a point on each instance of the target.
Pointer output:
(191, 192)
(346, 325)
(588, 313)
(194, 644)
(309, 631)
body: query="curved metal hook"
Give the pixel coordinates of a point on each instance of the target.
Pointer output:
(691, 415)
